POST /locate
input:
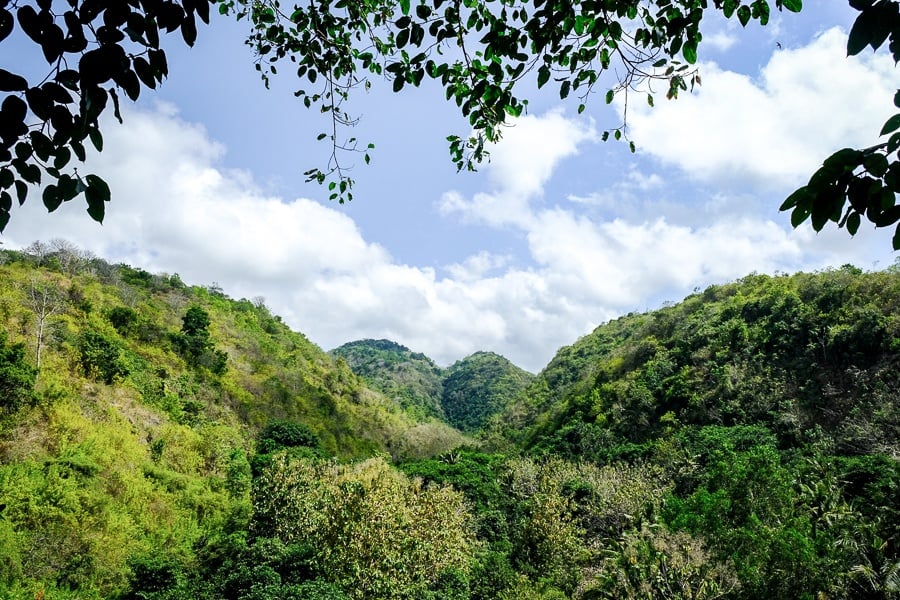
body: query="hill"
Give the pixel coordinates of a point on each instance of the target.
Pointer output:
(409, 378)
(808, 355)
(478, 387)
(130, 407)
(465, 395)
(161, 441)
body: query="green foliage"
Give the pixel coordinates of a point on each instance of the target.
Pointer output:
(48, 121)
(412, 379)
(280, 434)
(478, 387)
(100, 357)
(195, 344)
(118, 490)
(123, 319)
(740, 444)
(794, 354)
(372, 532)
(852, 184)
(16, 377)
(481, 56)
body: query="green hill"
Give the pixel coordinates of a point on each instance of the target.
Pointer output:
(465, 395)
(160, 441)
(409, 378)
(135, 436)
(478, 387)
(807, 356)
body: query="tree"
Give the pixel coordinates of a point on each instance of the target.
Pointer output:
(195, 344)
(45, 301)
(17, 377)
(481, 53)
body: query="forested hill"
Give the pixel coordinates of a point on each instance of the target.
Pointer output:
(814, 358)
(410, 378)
(130, 409)
(466, 394)
(480, 386)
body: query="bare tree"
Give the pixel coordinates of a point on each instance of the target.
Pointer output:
(38, 250)
(45, 300)
(71, 258)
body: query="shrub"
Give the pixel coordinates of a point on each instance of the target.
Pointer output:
(100, 357)
(16, 377)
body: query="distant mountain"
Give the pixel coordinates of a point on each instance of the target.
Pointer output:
(803, 355)
(409, 378)
(480, 386)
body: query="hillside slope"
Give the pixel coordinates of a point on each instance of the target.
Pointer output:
(136, 433)
(478, 387)
(805, 355)
(409, 378)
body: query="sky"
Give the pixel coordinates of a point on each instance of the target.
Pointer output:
(558, 234)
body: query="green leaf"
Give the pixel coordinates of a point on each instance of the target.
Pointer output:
(610, 95)
(96, 139)
(543, 75)
(743, 15)
(10, 82)
(404, 6)
(729, 7)
(689, 51)
(51, 197)
(876, 164)
(861, 33)
(799, 215)
(891, 125)
(853, 221)
(21, 192)
(793, 5)
(798, 196)
(101, 189)
(96, 207)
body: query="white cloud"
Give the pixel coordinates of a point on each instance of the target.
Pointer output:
(775, 130)
(720, 40)
(519, 168)
(176, 210)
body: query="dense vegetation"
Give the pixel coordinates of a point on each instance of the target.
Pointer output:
(160, 441)
(479, 387)
(129, 408)
(409, 378)
(466, 394)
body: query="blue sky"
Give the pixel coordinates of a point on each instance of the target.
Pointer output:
(559, 233)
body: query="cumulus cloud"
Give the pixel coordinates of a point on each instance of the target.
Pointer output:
(775, 129)
(519, 168)
(721, 40)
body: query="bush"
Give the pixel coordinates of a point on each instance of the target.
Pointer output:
(16, 377)
(280, 434)
(100, 357)
(123, 319)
